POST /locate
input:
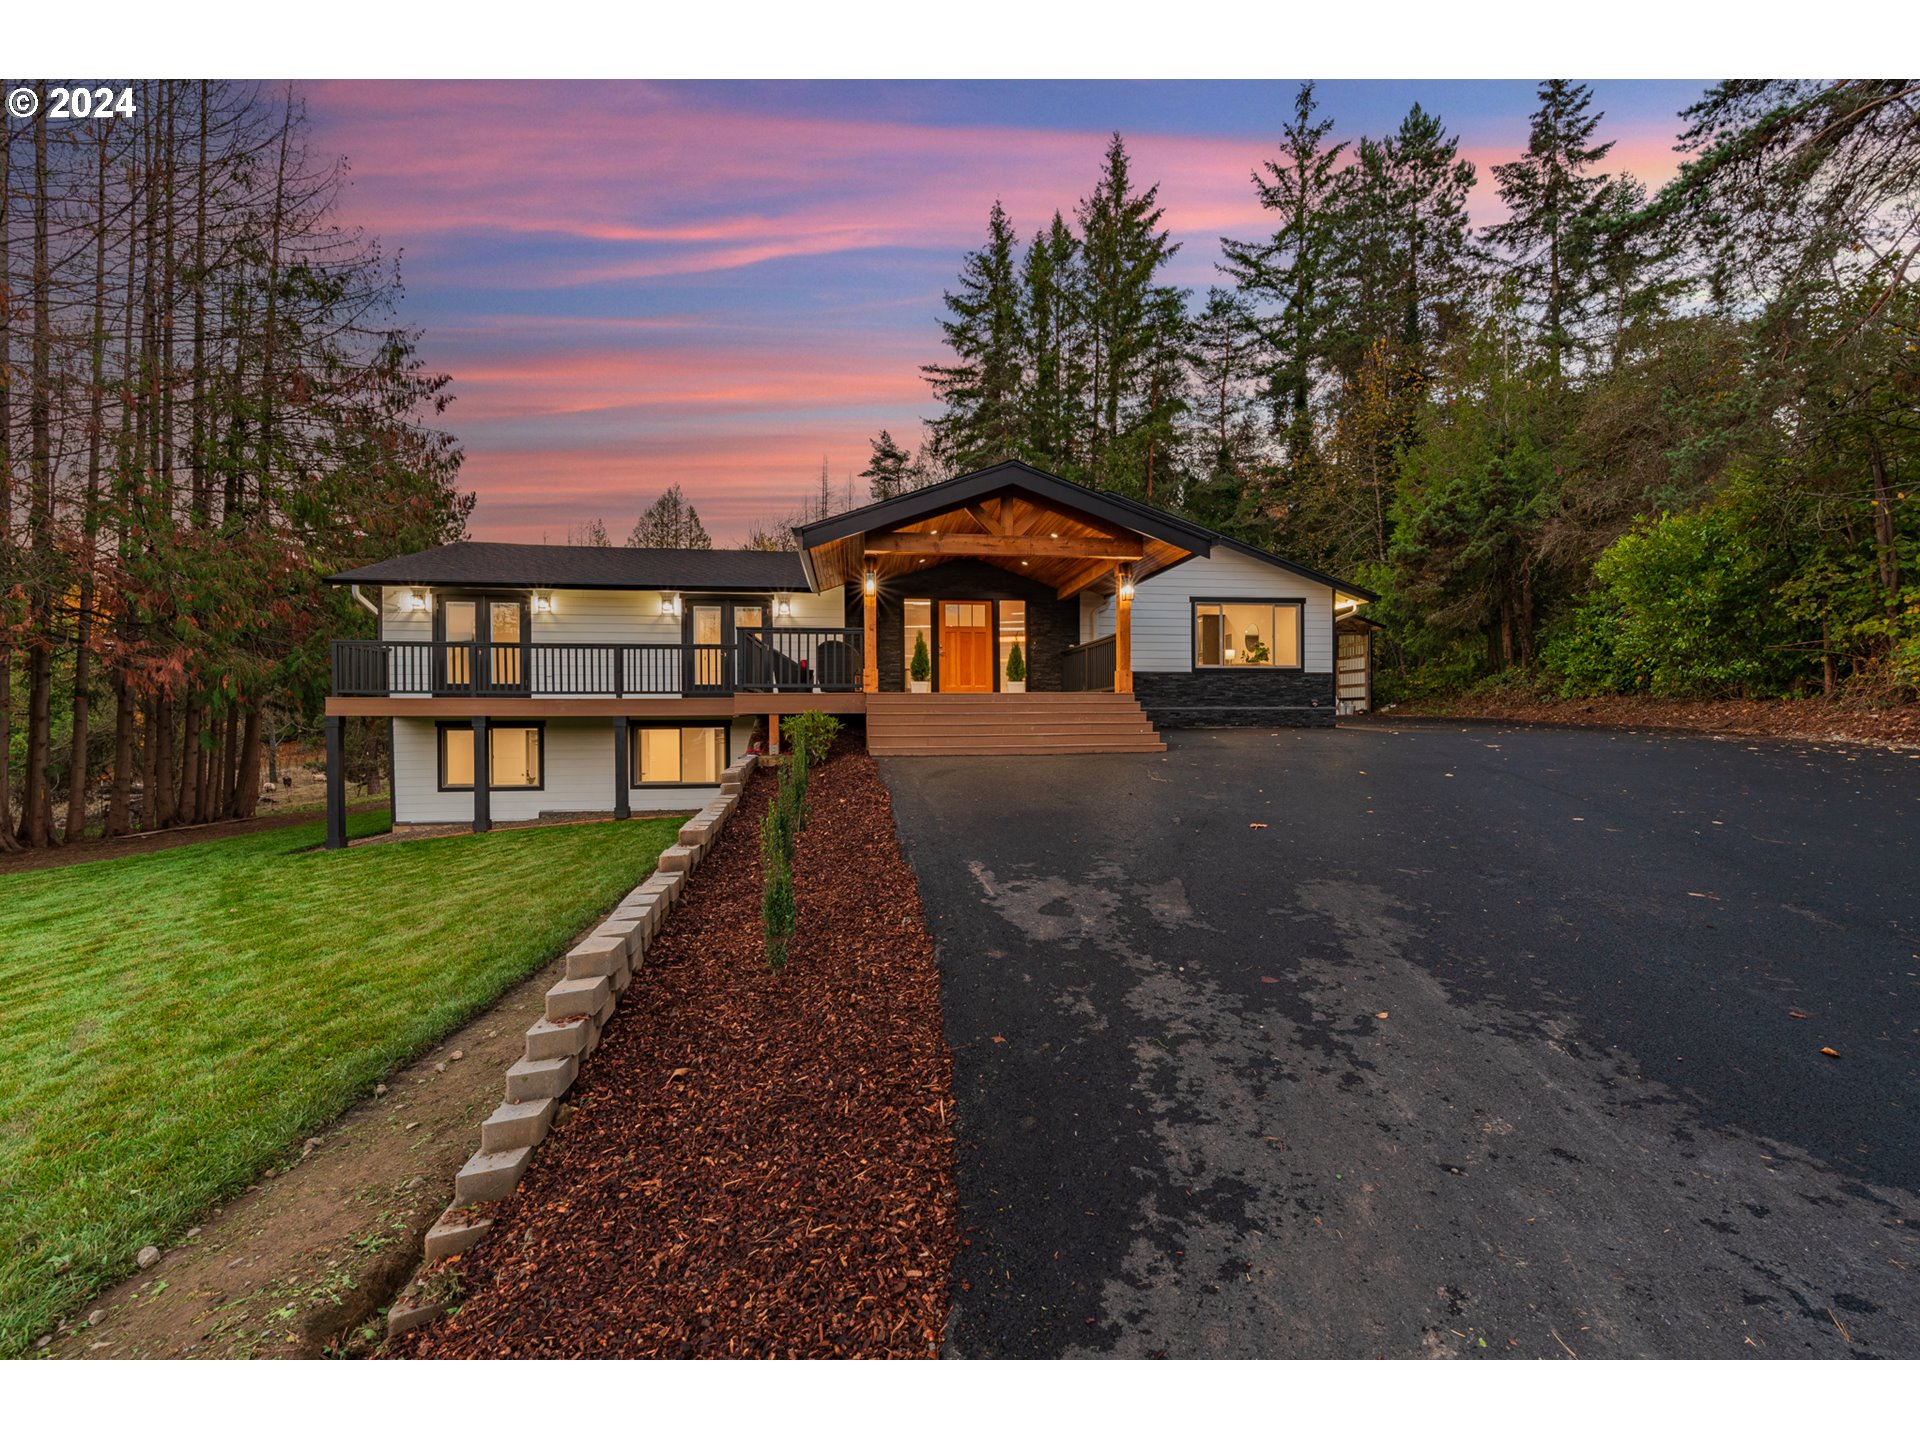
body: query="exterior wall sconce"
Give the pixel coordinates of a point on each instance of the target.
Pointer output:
(670, 605)
(543, 604)
(871, 585)
(782, 607)
(415, 600)
(1126, 586)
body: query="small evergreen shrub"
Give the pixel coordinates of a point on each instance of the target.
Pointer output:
(779, 833)
(1016, 664)
(922, 666)
(813, 732)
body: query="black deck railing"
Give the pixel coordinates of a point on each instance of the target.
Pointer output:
(1088, 666)
(769, 658)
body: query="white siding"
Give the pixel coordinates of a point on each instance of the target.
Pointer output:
(579, 775)
(1163, 612)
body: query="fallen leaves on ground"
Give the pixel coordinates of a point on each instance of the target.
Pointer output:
(755, 1165)
(1805, 719)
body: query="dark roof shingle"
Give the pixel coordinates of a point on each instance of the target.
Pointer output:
(482, 563)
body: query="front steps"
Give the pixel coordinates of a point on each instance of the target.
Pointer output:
(1074, 722)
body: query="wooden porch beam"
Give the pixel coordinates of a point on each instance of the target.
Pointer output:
(1079, 579)
(992, 524)
(1035, 547)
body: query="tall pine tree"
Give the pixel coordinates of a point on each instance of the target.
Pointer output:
(981, 387)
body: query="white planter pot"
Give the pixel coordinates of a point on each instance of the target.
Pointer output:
(1015, 687)
(920, 687)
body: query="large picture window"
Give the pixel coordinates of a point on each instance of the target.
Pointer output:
(679, 754)
(1233, 633)
(518, 753)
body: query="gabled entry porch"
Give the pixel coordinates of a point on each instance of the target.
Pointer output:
(1003, 560)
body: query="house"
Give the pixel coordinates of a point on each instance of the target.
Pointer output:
(529, 680)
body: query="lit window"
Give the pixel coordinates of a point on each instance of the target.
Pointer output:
(1013, 631)
(919, 626)
(1247, 632)
(515, 754)
(679, 755)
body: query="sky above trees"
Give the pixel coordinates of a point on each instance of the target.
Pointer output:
(716, 285)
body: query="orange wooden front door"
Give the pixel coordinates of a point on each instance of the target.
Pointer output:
(966, 646)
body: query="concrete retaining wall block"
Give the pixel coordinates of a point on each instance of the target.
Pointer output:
(537, 1079)
(491, 1177)
(517, 1126)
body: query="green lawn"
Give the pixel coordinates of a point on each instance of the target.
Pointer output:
(170, 1023)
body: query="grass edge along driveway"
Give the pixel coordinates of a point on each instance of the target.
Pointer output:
(170, 1023)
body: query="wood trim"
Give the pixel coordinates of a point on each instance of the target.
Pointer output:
(1038, 547)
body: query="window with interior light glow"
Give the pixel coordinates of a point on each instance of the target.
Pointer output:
(516, 752)
(1238, 633)
(679, 754)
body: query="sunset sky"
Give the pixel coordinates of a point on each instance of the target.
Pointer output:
(717, 284)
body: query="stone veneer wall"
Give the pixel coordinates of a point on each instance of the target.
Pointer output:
(1181, 699)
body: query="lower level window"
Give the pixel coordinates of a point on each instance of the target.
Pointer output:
(679, 754)
(1247, 632)
(515, 752)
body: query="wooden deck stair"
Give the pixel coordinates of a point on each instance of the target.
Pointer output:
(1037, 723)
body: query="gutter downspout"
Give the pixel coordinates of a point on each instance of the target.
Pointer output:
(373, 608)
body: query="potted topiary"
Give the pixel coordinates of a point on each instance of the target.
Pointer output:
(920, 673)
(1016, 671)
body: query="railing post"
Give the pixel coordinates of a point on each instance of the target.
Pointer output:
(336, 786)
(482, 773)
(621, 785)
(620, 675)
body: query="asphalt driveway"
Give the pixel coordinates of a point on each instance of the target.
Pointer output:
(1490, 1042)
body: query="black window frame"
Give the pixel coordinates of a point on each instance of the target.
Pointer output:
(724, 723)
(1298, 605)
(440, 730)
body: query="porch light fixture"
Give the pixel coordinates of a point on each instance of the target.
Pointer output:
(871, 584)
(415, 600)
(1126, 585)
(543, 604)
(669, 604)
(782, 607)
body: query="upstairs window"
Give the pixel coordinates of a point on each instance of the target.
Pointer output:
(1237, 633)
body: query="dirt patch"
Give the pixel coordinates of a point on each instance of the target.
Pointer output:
(301, 1264)
(1892, 725)
(146, 842)
(751, 1165)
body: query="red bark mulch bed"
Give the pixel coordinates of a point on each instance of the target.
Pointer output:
(1814, 720)
(754, 1165)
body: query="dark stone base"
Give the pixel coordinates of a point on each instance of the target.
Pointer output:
(1201, 699)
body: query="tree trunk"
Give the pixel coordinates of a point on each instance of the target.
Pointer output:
(79, 772)
(7, 838)
(187, 811)
(119, 798)
(246, 795)
(37, 802)
(160, 808)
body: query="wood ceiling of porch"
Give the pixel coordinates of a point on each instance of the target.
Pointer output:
(1049, 543)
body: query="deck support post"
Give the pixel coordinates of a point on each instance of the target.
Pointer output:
(773, 734)
(482, 773)
(621, 785)
(336, 785)
(1123, 633)
(870, 651)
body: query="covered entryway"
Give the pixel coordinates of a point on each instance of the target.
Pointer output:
(1008, 559)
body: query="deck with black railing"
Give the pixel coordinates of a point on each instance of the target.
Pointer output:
(763, 660)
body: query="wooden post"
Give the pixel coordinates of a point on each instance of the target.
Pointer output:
(621, 786)
(1123, 634)
(336, 786)
(482, 773)
(870, 659)
(773, 734)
